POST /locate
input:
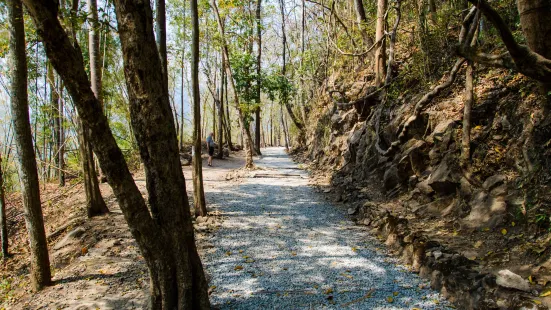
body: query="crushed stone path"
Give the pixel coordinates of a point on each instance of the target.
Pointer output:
(283, 246)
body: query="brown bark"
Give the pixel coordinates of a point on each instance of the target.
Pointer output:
(535, 17)
(165, 236)
(28, 175)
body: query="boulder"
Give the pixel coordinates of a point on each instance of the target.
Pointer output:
(509, 279)
(441, 179)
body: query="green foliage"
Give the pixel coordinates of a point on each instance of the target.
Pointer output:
(278, 86)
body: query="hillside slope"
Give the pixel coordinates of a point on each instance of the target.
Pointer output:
(452, 224)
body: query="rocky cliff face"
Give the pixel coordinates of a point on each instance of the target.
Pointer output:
(495, 212)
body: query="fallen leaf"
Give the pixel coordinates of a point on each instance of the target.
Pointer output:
(328, 291)
(504, 231)
(478, 244)
(546, 293)
(395, 293)
(537, 302)
(238, 267)
(228, 253)
(390, 299)
(513, 224)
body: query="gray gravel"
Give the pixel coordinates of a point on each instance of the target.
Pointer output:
(283, 246)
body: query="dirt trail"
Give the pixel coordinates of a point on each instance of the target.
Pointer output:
(283, 246)
(271, 241)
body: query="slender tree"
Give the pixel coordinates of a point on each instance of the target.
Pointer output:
(258, 75)
(3, 221)
(221, 110)
(160, 10)
(28, 175)
(198, 189)
(94, 202)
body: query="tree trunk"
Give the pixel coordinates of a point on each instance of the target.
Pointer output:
(380, 52)
(54, 108)
(221, 112)
(182, 84)
(3, 222)
(165, 232)
(94, 202)
(246, 133)
(161, 36)
(258, 75)
(535, 16)
(198, 189)
(362, 21)
(284, 98)
(182, 108)
(227, 121)
(61, 143)
(284, 129)
(95, 205)
(28, 175)
(95, 70)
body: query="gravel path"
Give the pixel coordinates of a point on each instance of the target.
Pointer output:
(282, 246)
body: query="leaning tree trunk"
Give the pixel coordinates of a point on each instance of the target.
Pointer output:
(198, 189)
(28, 175)
(164, 231)
(247, 139)
(3, 222)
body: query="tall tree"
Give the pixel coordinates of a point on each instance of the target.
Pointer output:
(258, 75)
(160, 10)
(56, 120)
(247, 139)
(3, 221)
(198, 189)
(221, 110)
(285, 95)
(163, 231)
(361, 18)
(380, 52)
(94, 202)
(28, 175)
